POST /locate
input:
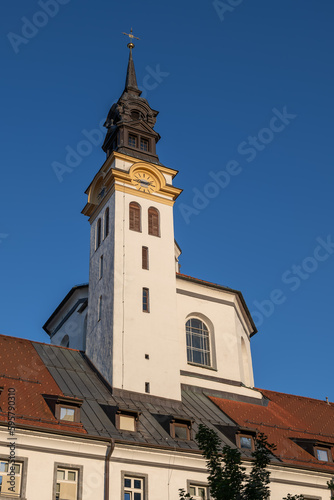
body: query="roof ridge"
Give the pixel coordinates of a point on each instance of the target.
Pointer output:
(330, 403)
(37, 342)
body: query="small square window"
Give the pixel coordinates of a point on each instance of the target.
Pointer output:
(245, 441)
(127, 423)
(322, 455)
(143, 144)
(126, 420)
(67, 414)
(60, 475)
(181, 429)
(132, 141)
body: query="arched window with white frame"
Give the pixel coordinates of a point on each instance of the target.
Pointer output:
(198, 342)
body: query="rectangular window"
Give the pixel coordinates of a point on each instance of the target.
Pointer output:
(147, 387)
(132, 141)
(198, 491)
(144, 257)
(100, 309)
(133, 488)
(245, 442)
(66, 484)
(16, 471)
(322, 454)
(143, 144)
(180, 429)
(101, 267)
(146, 300)
(67, 414)
(126, 422)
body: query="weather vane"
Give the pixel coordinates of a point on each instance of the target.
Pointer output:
(131, 36)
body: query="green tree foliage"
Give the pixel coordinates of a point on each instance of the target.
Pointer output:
(227, 478)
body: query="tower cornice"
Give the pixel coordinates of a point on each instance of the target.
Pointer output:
(120, 173)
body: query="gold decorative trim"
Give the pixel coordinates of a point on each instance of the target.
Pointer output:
(135, 192)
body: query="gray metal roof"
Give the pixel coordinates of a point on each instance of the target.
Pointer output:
(76, 377)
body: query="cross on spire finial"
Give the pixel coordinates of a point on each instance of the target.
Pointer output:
(131, 36)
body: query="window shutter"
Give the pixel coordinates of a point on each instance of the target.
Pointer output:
(134, 216)
(153, 222)
(144, 257)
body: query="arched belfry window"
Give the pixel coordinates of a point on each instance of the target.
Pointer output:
(134, 216)
(106, 222)
(153, 222)
(198, 342)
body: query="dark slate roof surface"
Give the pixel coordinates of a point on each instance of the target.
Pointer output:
(77, 378)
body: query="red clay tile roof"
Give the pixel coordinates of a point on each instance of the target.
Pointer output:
(287, 417)
(22, 368)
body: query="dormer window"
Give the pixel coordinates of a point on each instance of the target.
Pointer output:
(180, 429)
(132, 141)
(67, 413)
(127, 420)
(323, 454)
(65, 409)
(245, 442)
(143, 144)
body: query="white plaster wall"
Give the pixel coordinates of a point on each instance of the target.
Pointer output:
(136, 332)
(168, 471)
(74, 325)
(44, 450)
(227, 324)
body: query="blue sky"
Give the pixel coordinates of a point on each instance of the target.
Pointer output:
(245, 94)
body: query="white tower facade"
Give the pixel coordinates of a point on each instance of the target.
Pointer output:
(132, 335)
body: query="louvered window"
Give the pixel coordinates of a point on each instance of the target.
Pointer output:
(135, 210)
(144, 257)
(153, 222)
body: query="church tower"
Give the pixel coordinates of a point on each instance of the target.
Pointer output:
(132, 335)
(145, 326)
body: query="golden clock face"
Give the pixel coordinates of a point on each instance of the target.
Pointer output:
(144, 181)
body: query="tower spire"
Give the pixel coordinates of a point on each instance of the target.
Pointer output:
(131, 80)
(130, 121)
